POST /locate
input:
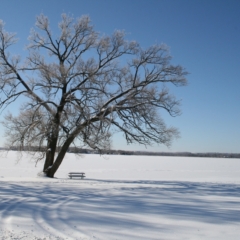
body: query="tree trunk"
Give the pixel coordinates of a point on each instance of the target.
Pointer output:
(51, 149)
(52, 144)
(54, 167)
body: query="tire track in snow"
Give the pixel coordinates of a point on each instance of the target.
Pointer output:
(55, 214)
(34, 211)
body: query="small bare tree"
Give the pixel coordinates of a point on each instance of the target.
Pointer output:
(80, 87)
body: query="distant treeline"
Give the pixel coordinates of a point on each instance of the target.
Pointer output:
(146, 153)
(139, 153)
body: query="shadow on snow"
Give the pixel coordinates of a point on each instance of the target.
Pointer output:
(78, 204)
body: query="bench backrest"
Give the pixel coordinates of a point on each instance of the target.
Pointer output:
(76, 173)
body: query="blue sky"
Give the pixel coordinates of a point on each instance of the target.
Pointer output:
(203, 36)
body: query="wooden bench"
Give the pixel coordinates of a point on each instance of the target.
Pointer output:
(77, 175)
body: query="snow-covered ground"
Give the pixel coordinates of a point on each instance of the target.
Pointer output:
(122, 197)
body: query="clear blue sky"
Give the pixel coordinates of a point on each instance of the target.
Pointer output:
(203, 36)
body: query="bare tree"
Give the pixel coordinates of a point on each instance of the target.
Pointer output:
(81, 87)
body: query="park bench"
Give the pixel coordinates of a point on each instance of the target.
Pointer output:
(77, 175)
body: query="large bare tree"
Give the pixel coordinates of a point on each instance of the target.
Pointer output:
(81, 86)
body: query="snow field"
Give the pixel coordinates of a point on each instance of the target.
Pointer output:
(122, 197)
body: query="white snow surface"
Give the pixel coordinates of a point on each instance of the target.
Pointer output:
(122, 197)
